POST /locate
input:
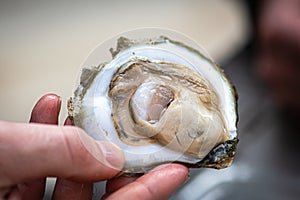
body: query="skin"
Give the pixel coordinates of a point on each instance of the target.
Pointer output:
(279, 51)
(42, 149)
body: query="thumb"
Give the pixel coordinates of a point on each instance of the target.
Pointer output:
(30, 151)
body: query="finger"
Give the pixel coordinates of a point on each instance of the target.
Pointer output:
(10, 193)
(45, 111)
(66, 189)
(116, 183)
(33, 189)
(159, 183)
(68, 122)
(45, 150)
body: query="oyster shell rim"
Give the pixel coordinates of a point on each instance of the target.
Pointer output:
(219, 157)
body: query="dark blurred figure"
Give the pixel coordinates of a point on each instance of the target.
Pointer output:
(266, 73)
(277, 24)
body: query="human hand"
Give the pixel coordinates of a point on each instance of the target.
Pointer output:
(31, 152)
(159, 183)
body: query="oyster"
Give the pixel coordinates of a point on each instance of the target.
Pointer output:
(160, 101)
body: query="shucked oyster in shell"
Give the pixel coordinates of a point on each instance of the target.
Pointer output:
(160, 101)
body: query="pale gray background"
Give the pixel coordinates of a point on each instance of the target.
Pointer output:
(44, 43)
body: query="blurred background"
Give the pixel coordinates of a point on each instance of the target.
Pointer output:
(44, 43)
(257, 43)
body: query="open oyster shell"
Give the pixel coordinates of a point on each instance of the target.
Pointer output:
(160, 101)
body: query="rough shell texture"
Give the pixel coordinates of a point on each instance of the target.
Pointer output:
(160, 101)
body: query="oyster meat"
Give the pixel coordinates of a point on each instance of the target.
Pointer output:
(160, 101)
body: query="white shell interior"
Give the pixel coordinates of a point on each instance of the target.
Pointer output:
(97, 105)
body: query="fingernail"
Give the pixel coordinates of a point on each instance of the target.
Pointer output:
(113, 154)
(105, 152)
(187, 178)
